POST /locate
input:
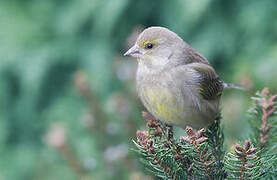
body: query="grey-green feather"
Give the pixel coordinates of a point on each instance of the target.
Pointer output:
(211, 86)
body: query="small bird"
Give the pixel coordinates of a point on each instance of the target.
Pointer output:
(175, 83)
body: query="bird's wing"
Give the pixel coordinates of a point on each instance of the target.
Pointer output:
(211, 86)
(194, 56)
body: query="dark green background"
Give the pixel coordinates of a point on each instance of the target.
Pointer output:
(50, 49)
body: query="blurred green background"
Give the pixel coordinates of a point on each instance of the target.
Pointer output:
(68, 106)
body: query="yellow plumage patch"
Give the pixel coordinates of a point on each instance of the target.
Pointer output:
(162, 103)
(144, 43)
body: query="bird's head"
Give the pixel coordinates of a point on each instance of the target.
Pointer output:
(157, 46)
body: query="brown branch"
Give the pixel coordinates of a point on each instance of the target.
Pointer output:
(147, 143)
(243, 153)
(56, 137)
(98, 116)
(196, 138)
(72, 160)
(159, 130)
(268, 110)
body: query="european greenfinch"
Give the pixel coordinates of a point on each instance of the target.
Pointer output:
(175, 83)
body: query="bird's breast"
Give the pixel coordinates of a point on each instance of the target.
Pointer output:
(163, 102)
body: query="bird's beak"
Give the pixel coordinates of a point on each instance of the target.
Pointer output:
(134, 52)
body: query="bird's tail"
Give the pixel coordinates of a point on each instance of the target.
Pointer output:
(233, 86)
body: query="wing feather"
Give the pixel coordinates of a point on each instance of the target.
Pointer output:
(211, 86)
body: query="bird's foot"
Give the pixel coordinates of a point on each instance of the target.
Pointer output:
(169, 131)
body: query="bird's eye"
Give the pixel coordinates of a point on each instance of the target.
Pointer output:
(149, 46)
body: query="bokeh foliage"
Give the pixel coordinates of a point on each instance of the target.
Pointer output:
(50, 49)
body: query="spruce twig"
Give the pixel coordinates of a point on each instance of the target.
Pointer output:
(244, 163)
(147, 143)
(196, 139)
(167, 134)
(268, 111)
(200, 154)
(243, 153)
(216, 139)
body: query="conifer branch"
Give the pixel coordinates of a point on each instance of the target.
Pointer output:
(216, 139)
(165, 134)
(244, 163)
(201, 155)
(256, 162)
(268, 110)
(196, 139)
(147, 144)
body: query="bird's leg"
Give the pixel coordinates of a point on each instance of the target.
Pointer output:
(218, 117)
(174, 145)
(169, 131)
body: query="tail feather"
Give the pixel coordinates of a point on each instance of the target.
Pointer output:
(233, 86)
